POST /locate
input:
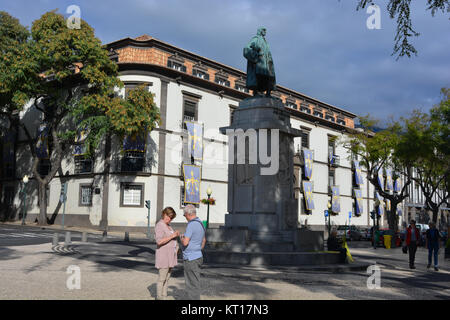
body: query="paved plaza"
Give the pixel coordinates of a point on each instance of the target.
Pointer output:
(115, 269)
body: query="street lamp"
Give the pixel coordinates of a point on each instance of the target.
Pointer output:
(25, 181)
(208, 192)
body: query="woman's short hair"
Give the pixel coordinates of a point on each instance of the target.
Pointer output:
(168, 211)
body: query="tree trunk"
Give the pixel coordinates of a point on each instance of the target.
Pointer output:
(393, 222)
(104, 221)
(435, 214)
(42, 218)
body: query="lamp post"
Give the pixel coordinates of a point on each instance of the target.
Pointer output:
(25, 181)
(208, 192)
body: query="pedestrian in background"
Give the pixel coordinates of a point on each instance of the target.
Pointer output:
(432, 240)
(193, 241)
(412, 238)
(334, 244)
(166, 251)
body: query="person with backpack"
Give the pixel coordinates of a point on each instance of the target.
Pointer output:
(193, 241)
(432, 240)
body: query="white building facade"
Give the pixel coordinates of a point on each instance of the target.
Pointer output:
(111, 188)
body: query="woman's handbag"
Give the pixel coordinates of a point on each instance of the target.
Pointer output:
(405, 249)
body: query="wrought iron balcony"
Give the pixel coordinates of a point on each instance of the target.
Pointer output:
(132, 163)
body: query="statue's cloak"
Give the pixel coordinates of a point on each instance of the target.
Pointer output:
(259, 64)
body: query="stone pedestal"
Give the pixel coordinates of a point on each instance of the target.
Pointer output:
(261, 224)
(259, 201)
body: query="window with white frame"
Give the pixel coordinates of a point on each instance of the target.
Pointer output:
(291, 104)
(86, 195)
(200, 74)
(305, 108)
(132, 195)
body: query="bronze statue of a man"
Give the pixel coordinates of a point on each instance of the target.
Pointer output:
(260, 69)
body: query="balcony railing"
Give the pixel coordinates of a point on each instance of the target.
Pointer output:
(131, 164)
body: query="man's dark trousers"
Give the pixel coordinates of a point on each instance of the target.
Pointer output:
(412, 248)
(433, 247)
(192, 278)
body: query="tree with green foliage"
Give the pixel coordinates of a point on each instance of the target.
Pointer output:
(425, 146)
(402, 10)
(377, 151)
(74, 85)
(18, 70)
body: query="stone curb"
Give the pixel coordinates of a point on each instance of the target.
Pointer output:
(280, 273)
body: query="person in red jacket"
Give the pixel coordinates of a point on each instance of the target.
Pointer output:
(412, 239)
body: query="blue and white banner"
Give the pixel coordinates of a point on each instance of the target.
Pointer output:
(308, 194)
(135, 142)
(381, 178)
(195, 142)
(79, 149)
(397, 185)
(380, 208)
(331, 158)
(335, 203)
(358, 201)
(308, 160)
(81, 136)
(9, 140)
(192, 178)
(42, 142)
(388, 205)
(358, 173)
(389, 183)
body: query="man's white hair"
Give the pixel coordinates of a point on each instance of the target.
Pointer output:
(190, 210)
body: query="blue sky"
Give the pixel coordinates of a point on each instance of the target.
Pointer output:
(321, 48)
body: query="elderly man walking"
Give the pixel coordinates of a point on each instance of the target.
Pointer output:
(193, 241)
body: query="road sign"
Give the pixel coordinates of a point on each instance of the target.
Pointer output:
(147, 204)
(325, 213)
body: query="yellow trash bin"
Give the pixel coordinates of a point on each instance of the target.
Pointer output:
(387, 241)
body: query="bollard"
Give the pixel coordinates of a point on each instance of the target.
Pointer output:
(84, 237)
(127, 237)
(105, 236)
(55, 239)
(67, 241)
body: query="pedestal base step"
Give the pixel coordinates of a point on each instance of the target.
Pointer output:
(271, 258)
(252, 246)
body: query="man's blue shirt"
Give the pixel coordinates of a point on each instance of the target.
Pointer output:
(195, 232)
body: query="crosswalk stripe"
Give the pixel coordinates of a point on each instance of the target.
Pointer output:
(48, 235)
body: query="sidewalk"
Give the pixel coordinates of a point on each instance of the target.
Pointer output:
(118, 234)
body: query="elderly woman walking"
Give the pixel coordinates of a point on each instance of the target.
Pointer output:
(166, 252)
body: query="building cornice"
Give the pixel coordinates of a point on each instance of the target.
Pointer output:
(150, 42)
